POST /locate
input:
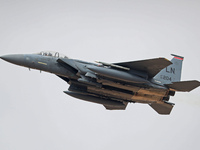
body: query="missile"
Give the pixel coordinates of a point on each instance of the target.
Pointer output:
(117, 74)
(113, 65)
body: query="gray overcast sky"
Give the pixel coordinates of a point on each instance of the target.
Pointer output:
(36, 114)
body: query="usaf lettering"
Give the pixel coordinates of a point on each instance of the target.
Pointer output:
(171, 70)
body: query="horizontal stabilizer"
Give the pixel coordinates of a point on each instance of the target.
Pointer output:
(150, 66)
(183, 86)
(162, 108)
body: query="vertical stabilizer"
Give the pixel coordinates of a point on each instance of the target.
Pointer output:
(171, 73)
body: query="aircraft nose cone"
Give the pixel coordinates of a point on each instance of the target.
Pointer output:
(17, 59)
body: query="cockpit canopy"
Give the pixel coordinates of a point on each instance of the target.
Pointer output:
(53, 54)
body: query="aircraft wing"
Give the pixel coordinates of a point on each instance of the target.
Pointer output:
(150, 66)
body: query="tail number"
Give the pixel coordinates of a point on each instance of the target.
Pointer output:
(165, 77)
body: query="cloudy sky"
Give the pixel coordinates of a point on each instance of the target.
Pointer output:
(36, 114)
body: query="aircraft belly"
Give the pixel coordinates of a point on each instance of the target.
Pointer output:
(109, 93)
(118, 85)
(153, 91)
(141, 98)
(135, 97)
(136, 89)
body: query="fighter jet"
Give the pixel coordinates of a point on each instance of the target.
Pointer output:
(114, 85)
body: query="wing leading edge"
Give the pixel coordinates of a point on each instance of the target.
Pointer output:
(150, 66)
